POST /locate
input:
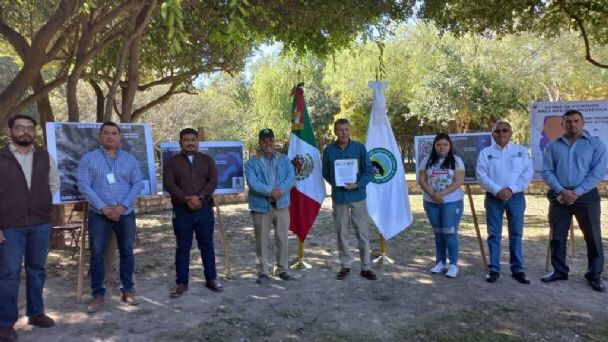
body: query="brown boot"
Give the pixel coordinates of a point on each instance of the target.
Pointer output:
(179, 290)
(129, 298)
(96, 304)
(8, 334)
(41, 321)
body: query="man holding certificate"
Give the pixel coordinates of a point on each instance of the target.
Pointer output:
(347, 167)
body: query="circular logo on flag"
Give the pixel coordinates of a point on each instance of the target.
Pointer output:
(303, 165)
(384, 164)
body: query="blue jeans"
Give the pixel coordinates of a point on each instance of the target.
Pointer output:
(31, 242)
(445, 219)
(99, 229)
(495, 209)
(185, 224)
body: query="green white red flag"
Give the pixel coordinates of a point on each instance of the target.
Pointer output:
(309, 192)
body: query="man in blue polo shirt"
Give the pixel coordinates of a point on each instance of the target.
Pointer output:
(349, 198)
(573, 166)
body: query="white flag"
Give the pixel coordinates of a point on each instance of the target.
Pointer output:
(388, 203)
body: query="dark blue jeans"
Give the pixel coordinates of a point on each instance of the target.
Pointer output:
(185, 224)
(99, 229)
(31, 242)
(445, 219)
(495, 209)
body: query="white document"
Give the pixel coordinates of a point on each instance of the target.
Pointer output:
(345, 171)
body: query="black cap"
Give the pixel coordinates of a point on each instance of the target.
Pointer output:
(266, 133)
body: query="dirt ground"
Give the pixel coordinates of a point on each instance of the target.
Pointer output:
(406, 303)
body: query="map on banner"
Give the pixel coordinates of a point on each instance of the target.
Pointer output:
(228, 156)
(67, 142)
(466, 145)
(546, 125)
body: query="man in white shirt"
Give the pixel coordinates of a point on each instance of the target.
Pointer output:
(504, 171)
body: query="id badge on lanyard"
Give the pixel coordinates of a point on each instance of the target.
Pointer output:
(111, 178)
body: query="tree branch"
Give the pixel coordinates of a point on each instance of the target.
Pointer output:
(581, 26)
(163, 98)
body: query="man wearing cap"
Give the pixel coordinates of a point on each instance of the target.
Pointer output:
(504, 171)
(349, 199)
(270, 177)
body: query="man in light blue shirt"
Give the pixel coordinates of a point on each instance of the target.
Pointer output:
(270, 177)
(573, 165)
(110, 180)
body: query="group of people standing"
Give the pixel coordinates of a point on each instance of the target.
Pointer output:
(573, 166)
(110, 179)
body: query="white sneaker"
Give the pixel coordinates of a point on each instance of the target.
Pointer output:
(452, 271)
(439, 268)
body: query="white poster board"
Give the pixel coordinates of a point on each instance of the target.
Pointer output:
(466, 145)
(67, 142)
(228, 156)
(546, 125)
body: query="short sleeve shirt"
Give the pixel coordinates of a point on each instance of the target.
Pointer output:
(439, 179)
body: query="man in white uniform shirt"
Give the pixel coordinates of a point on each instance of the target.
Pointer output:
(504, 171)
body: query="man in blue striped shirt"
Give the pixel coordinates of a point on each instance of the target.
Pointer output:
(573, 166)
(110, 180)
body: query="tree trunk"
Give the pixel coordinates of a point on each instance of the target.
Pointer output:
(100, 100)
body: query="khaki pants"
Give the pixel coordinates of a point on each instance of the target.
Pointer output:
(355, 213)
(279, 218)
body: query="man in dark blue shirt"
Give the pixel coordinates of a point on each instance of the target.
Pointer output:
(349, 197)
(573, 166)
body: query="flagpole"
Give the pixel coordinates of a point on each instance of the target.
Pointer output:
(300, 264)
(383, 259)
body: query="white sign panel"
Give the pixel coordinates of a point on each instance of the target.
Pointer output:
(228, 156)
(67, 142)
(546, 125)
(466, 145)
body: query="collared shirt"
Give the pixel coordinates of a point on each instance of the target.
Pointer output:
(27, 163)
(504, 167)
(353, 150)
(271, 170)
(580, 166)
(102, 190)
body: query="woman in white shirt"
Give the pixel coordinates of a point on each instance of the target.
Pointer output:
(440, 176)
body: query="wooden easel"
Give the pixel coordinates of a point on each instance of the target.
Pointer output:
(81, 261)
(476, 223)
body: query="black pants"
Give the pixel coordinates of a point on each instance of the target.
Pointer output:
(586, 209)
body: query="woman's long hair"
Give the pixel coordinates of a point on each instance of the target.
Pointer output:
(449, 162)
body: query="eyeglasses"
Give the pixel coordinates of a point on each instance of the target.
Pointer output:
(21, 128)
(504, 130)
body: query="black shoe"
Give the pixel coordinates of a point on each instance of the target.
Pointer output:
(597, 285)
(368, 274)
(263, 279)
(492, 276)
(285, 276)
(521, 277)
(343, 273)
(553, 276)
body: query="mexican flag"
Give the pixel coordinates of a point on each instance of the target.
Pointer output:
(388, 203)
(309, 192)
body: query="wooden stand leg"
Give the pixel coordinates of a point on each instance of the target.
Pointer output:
(548, 257)
(476, 223)
(220, 222)
(81, 261)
